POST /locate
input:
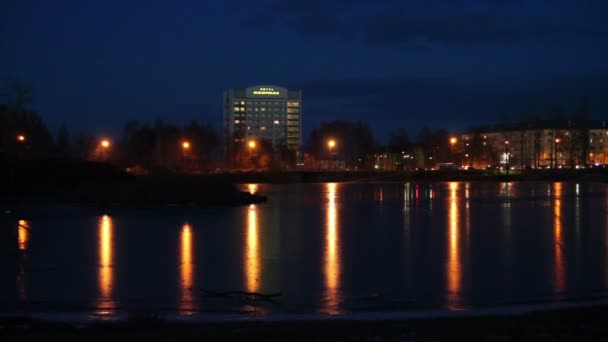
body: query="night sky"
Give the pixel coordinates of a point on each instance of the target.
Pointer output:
(94, 64)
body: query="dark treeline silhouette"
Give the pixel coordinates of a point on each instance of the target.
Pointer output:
(354, 142)
(17, 119)
(158, 146)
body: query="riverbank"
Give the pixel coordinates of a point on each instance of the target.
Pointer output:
(104, 186)
(570, 324)
(596, 175)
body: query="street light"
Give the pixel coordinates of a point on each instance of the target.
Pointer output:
(251, 145)
(453, 141)
(330, 145)
(21, 138)
(557, 141)
(507, 156)
(185, 149)
(104, 144)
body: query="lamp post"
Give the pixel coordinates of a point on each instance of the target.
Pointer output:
(104, 144)
(507, 156)
(251, 144)
(453, 142)
(331, 144)
(557, 141)
(185, 149)
(20, 138)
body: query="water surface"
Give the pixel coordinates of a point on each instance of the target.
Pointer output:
(326, 248)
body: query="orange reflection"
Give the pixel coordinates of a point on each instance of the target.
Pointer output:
(23, 234)
(22, 239)
(559, 270)
(105, 269)
(453, 266)
(332, 256)
(253, 188)
(252, 257)
(186, 270)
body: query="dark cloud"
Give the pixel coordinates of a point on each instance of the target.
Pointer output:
(438, 21)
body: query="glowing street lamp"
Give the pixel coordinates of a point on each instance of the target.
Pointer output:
(21, 138)
(557, 141)
(104, 144)
(185, 148)
(331, 143)
(453, 141)
(251, 146)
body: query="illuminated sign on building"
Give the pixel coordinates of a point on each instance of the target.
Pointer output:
(267, 91)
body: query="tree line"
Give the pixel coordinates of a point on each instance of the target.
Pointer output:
(158, 145)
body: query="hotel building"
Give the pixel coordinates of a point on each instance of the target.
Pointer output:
(263, 112)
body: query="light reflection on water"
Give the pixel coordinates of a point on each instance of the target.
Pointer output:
(105, 301)
(332, 264)
(454, 262)
(559, 269)
(444, 245)
(23, 234)
(253, 267)
(186, 304)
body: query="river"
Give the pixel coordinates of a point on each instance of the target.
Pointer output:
(315, 249)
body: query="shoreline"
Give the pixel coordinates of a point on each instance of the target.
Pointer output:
(553, 322)
(305, 177)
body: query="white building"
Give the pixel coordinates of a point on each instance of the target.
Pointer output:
(263, 112)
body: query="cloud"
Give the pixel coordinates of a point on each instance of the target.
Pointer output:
(437, 21)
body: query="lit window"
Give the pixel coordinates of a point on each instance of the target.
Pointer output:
(263, 128)
(263, 109)
(242, 103)
(276, 122)
(237, 121)
(236, 109)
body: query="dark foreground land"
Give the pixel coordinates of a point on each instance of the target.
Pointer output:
(583, 324)
(102, 185)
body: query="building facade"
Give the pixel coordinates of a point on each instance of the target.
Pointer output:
(265, 113)
(539, 146)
